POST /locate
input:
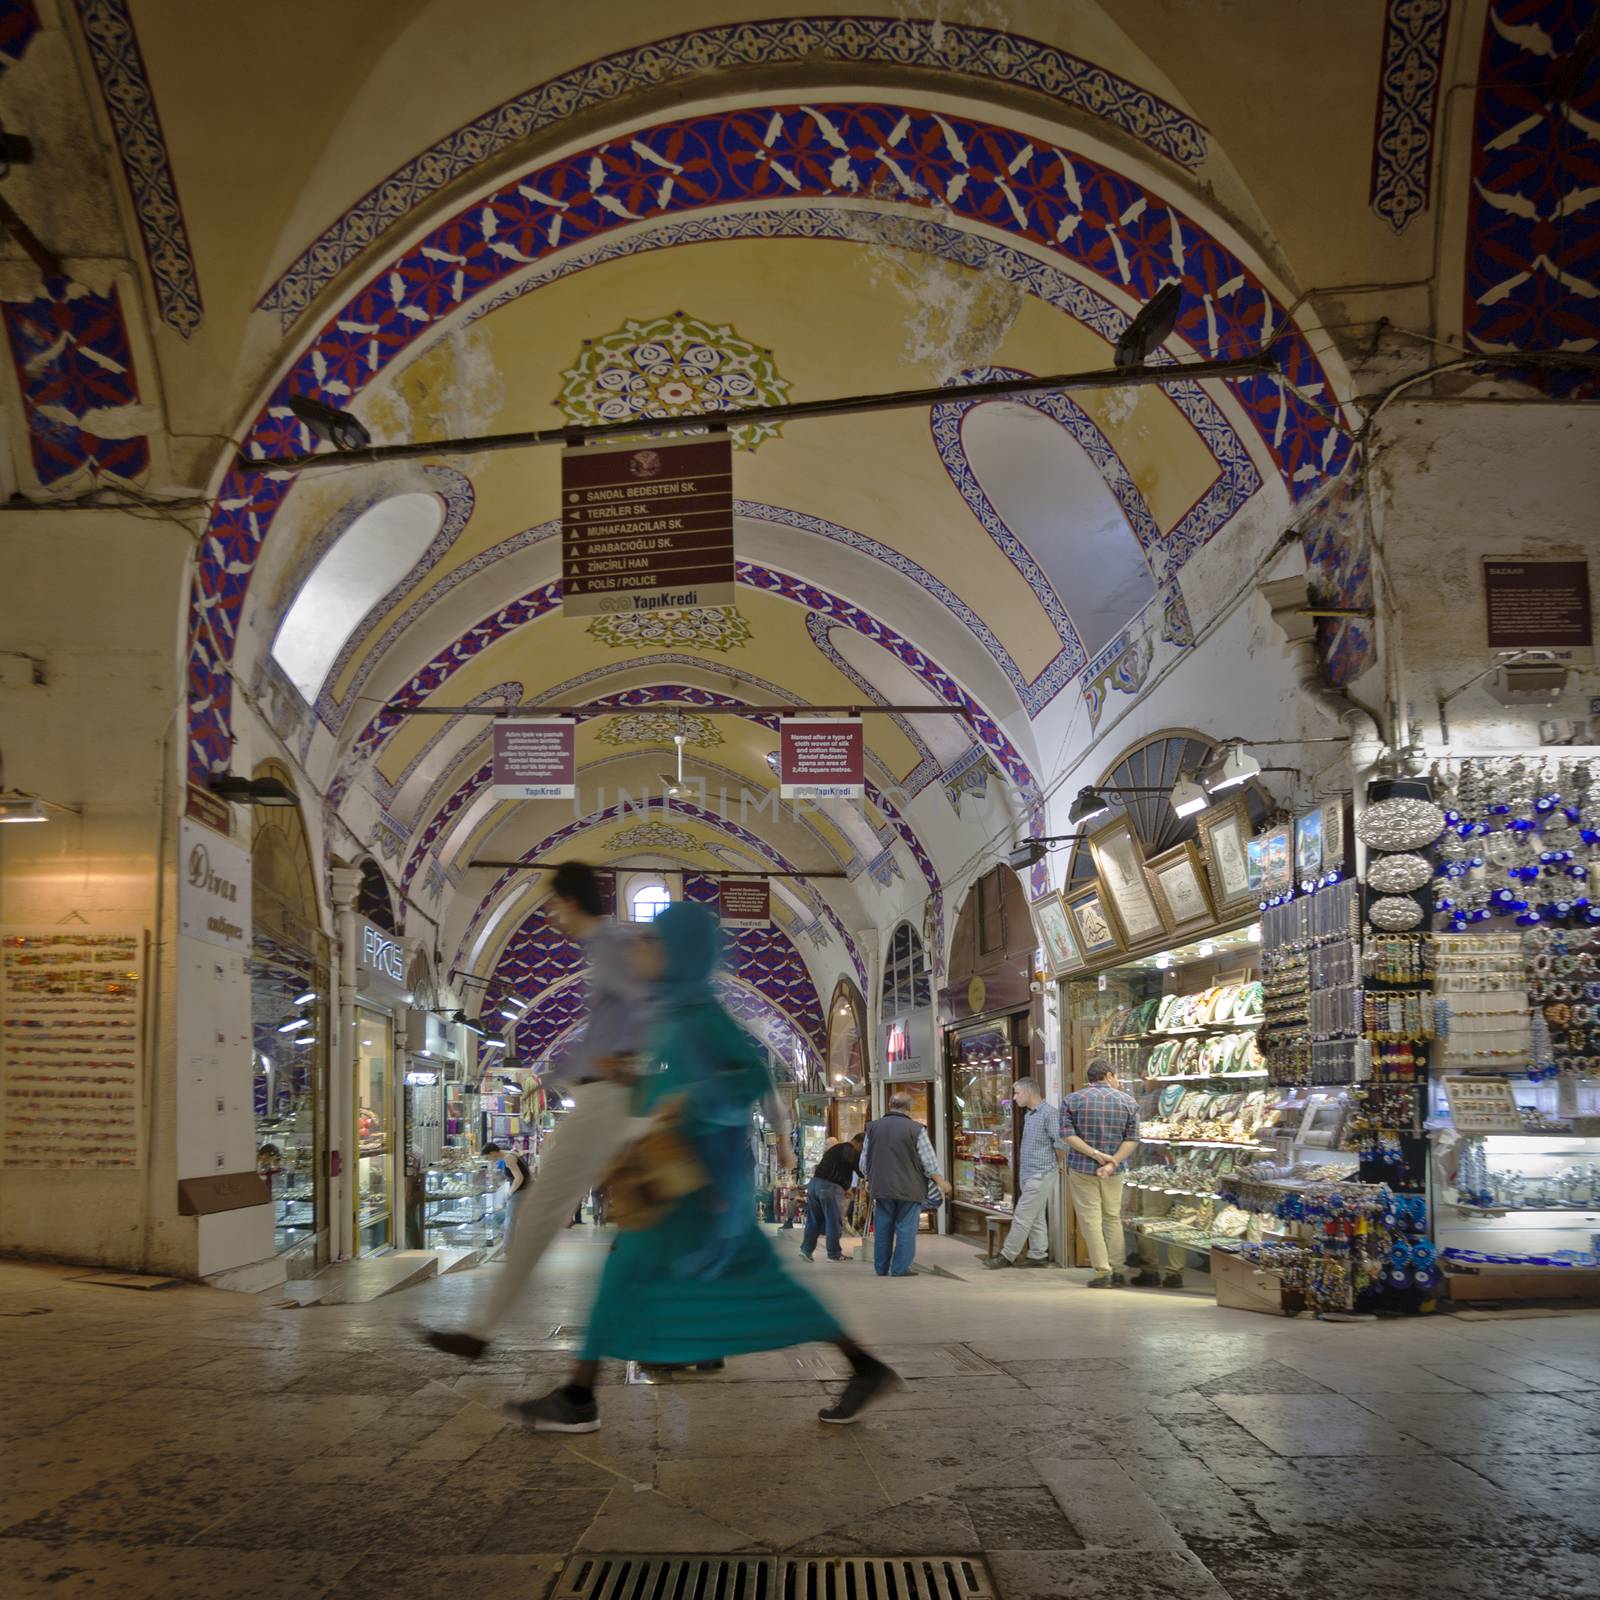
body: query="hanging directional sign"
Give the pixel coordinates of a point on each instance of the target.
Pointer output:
(535, 760)
(647, 527)
(821, 758)
(745, 902)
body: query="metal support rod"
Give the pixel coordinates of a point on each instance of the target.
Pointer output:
(676, 707)
(624, 866)
(789, 411)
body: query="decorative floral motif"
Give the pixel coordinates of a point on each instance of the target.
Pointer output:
(672, 367)
(660, 727)
(652, 836)
(718, 628)
(73, 360)
(119, 65)
(1533, 216)
(944, 46)
(967, 774)
(1408, 96)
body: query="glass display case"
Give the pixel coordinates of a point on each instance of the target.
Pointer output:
(460, 1207)
(851, 1114)
(374, 1093)
(811, 1131)
(982, 1121)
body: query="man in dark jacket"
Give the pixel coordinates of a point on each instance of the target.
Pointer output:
(899, 1162)
(836, 1171)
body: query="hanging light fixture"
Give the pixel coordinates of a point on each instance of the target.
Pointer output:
(1234, 765)
(1187, 796)
(1089, 803)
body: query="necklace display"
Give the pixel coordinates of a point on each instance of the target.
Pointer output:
(1521, 840)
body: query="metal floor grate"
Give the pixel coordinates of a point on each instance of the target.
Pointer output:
(642, 1577)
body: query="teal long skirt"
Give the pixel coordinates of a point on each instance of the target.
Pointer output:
(649, 1309)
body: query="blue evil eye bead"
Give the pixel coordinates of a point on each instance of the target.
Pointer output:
(1521, 824)
(1477, 861)
(1577, 871)
(1571, 813)
(1499, 809)
(1545, 802)
(1589, 835)
(1465, 830)
(1501, 897)
(1424, 1277)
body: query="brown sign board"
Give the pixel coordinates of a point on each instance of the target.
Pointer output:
(821, 758)
(1539, 605)
(535, 759)
(647, 526)
(222, 1191)
(745, 902)
(211, 809)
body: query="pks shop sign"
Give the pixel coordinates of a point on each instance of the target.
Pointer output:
(213, 887)
(380, 959)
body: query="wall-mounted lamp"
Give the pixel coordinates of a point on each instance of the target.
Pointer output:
(242, 791)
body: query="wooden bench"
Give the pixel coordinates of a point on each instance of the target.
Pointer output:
(995, 1230)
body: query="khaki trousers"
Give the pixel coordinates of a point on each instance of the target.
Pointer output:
(578, 1153)
(1030, 1222)
(1098, 1204)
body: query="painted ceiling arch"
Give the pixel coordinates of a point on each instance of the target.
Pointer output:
(988, 176)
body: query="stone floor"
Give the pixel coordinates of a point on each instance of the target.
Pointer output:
(185, 1442)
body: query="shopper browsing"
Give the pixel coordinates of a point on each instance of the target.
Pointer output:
(836, 1171)
(1100, 1127)
(593, 1075)
(899, 1161)
(1039, 1157)
(514, 1165)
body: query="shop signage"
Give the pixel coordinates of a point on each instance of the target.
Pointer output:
(899, 1060)
(211, 809)
(821, 758)
(380, 959)
(535, 759)
(745, 902)
(222, 1191)
(1539, 605)
(647, 526)
(1482, 1105)
(213, 887)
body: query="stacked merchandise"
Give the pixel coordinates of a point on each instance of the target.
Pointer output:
(1312, 986)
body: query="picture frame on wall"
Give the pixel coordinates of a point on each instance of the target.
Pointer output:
(1093, 924)
(1255, 851)
(1056, 936)
(1277, 860)
(1178, 880)
(1335, 839)
(1308, 846)
(1119, 860)
(1224, 829)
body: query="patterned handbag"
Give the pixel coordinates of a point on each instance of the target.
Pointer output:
(655, 1172)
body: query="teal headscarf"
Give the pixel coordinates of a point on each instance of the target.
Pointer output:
(692, 938)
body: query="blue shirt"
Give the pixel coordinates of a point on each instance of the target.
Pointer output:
(1103, 1118)
(1041, 1138)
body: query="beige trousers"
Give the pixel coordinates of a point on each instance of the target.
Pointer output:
(1098, 1204)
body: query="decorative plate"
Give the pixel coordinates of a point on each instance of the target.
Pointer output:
(1394, 913)
(1401, 824)
(1399, 874)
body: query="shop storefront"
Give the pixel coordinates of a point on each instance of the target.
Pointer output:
(848, 1066)
(290, 1010)
(377, 1089)
(909, 1054)
(988, 1037)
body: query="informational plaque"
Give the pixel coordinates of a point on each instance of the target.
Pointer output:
(1482, 1104)
(647, 527)
(745, 902)
(71, 1051)
(821, 758)
(1539, 605)
(535, 759)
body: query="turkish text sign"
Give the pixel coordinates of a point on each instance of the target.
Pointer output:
(821, 758)
(536, 760)
(647, 527)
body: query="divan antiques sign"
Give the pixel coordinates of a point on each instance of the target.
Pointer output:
(213, 887)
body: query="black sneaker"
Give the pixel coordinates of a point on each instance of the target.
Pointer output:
(1101, 1280)
(558, 1412)
(999, 1261)
(1034, 1261)
(718, 1365)
(1174, 1280)
(1147, 1280)
(1119, 1280)
(464, 1345)
(867, 1384)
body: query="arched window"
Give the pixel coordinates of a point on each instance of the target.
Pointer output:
(372, 555)
(906, 985)
(372, 898)
(648, 901)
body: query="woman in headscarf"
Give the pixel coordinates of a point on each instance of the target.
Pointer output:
(703, 1282)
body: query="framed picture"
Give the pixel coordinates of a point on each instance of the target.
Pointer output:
(1119, 859)
(1224, 828)
(1178, 878)
(1277, 860)
(1308, 846)
(1096, 932)
(1059, 942)
(1333, 836)
(1255, 853)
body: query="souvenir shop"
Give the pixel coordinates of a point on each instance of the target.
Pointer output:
(848, 1066)
(988, 1037)
(908, 1032)
(377, 966)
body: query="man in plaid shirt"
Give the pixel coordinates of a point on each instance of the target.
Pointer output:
(1100, 1127)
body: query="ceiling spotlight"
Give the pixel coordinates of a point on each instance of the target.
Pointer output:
(253, 791)
(290, 1027)
(1151, 328)
(1187, 796)
(306, 998)
(330, 425)
(1027, 854)
(1089, 803)
(1234, 765)
(21, 808)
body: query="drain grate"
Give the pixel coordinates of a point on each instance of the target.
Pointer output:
(641, 1577)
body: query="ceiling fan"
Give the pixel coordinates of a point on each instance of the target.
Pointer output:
(676, 788)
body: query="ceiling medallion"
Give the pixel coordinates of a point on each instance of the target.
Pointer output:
(652, 836)
(719, 628)
(671, 367)
(659, 727)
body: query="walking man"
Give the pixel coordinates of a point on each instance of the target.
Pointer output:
(1039, 1158)
(897, 1157)
(836, 1171)
(1100, 1127)
(594, 1075)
